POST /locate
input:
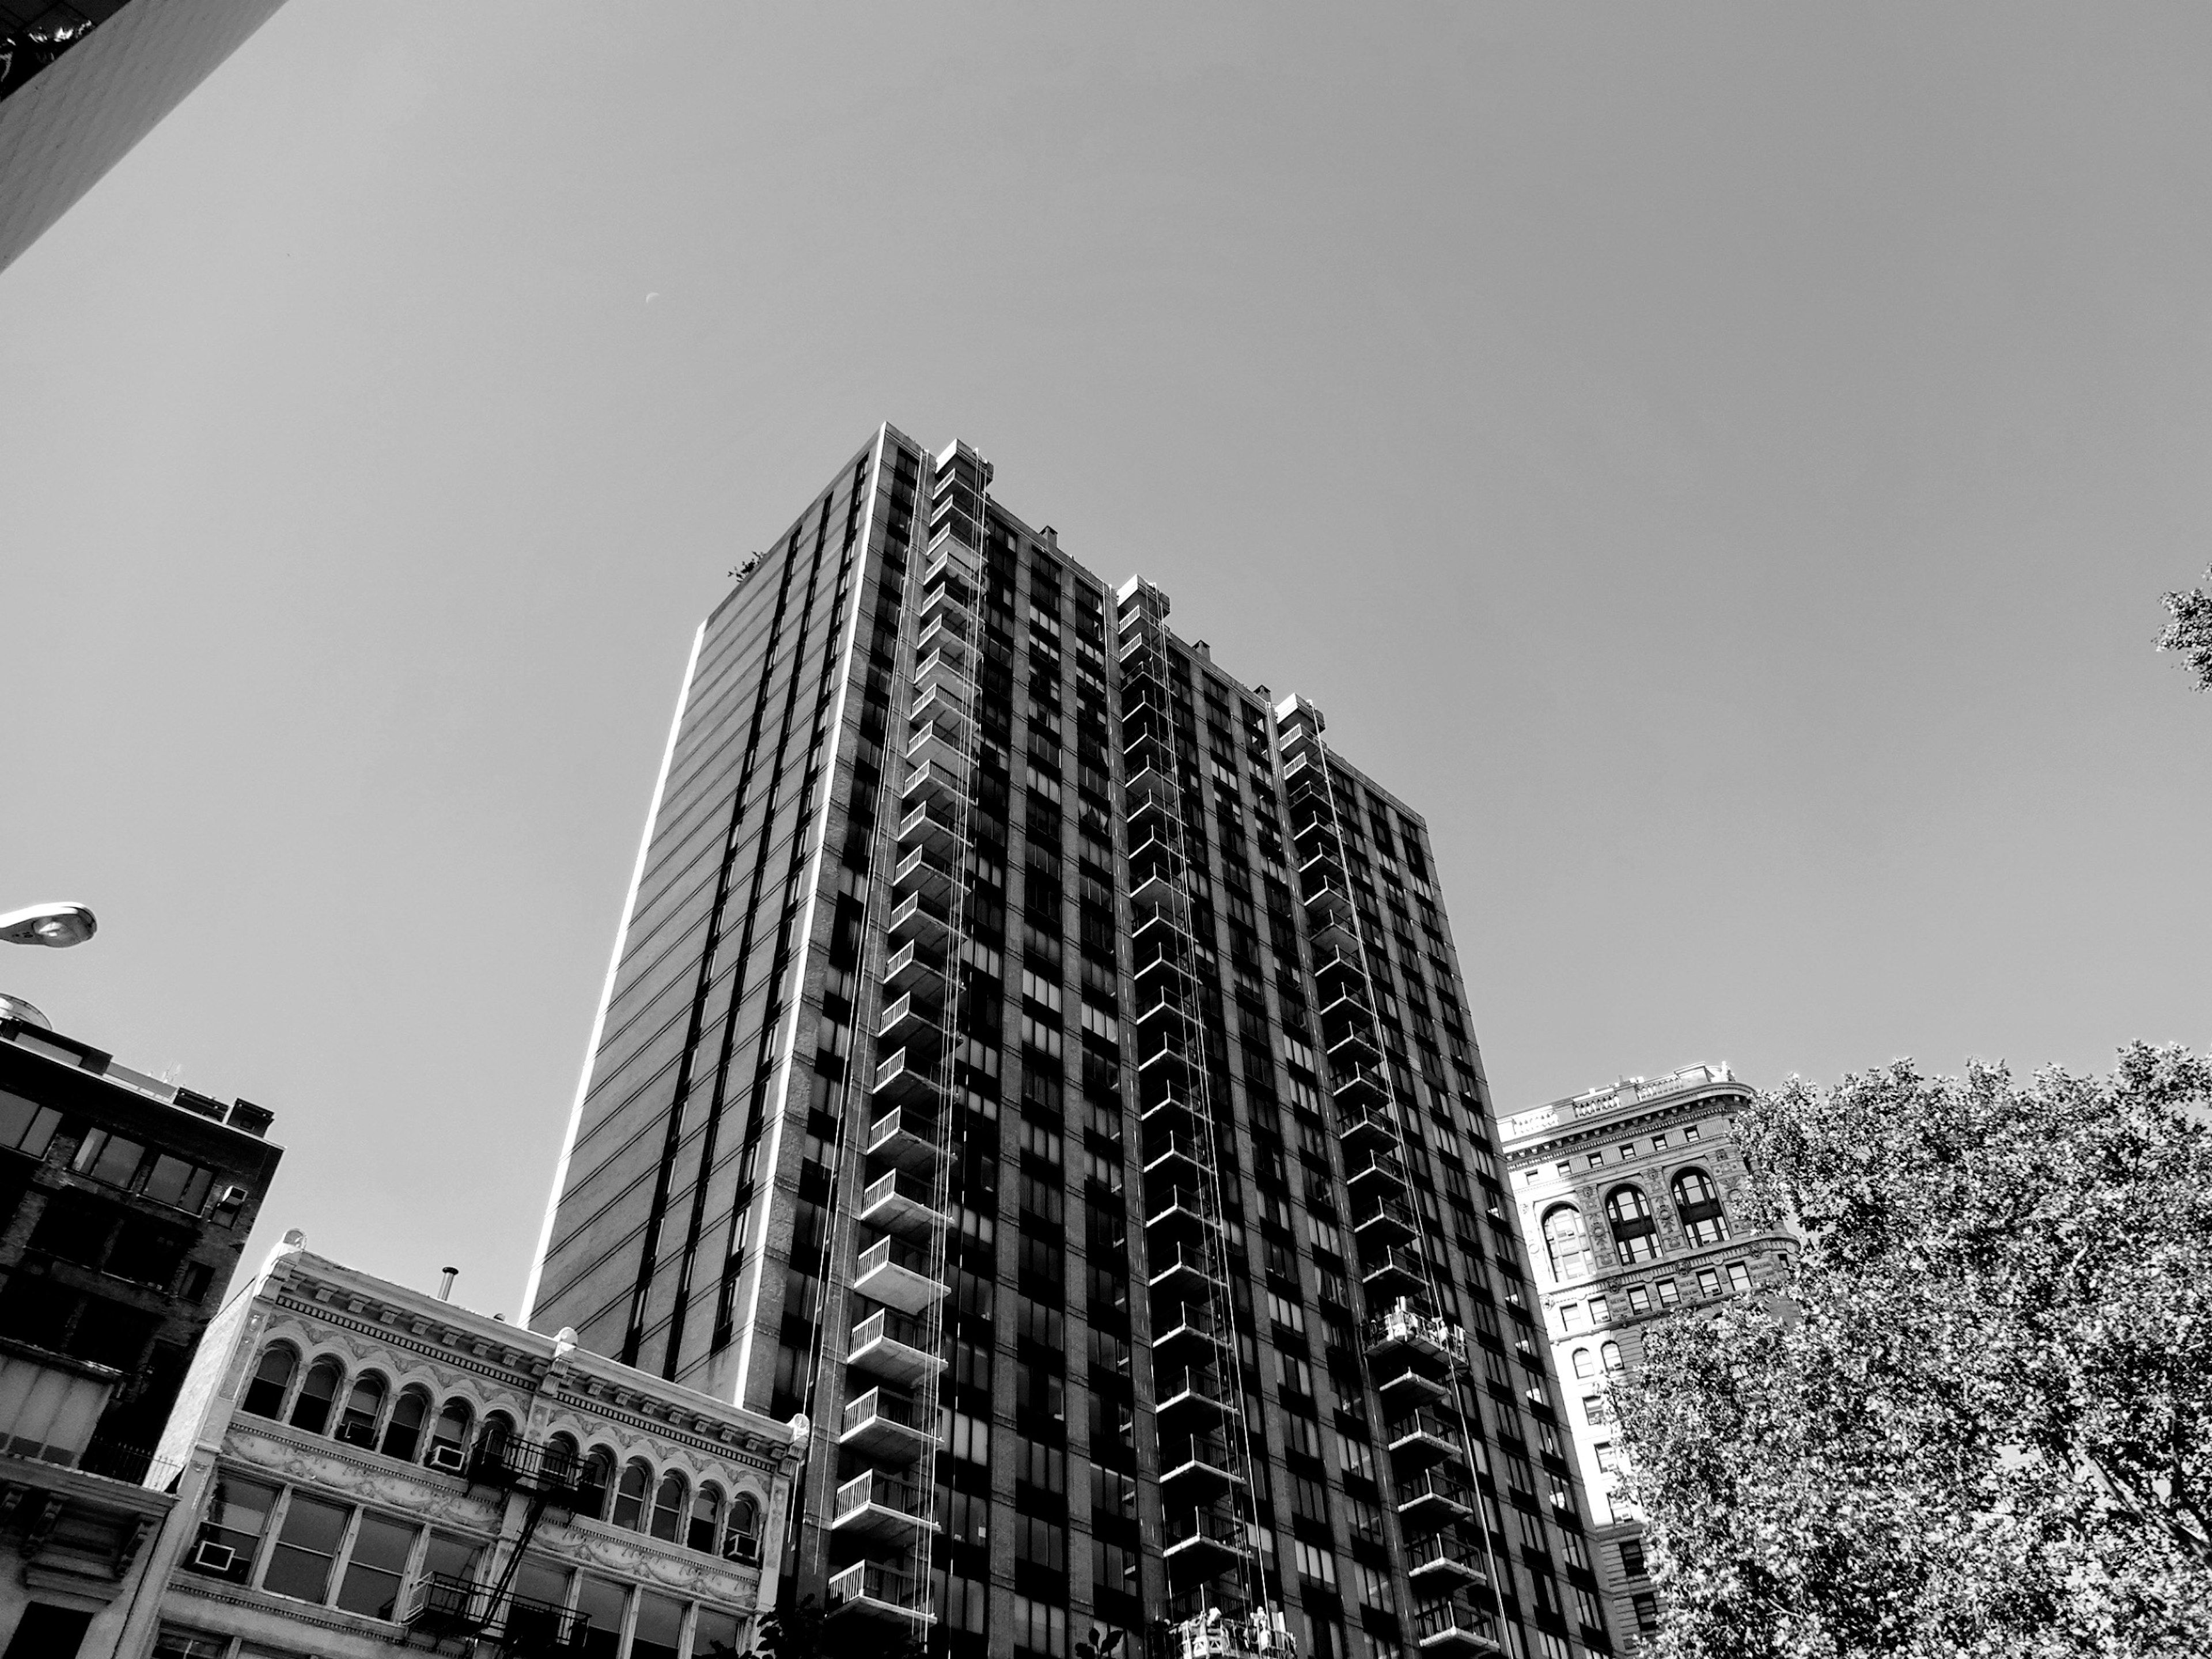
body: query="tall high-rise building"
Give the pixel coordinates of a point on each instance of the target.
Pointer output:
(1637, 1190)
(1039, 1059)
(82, 81)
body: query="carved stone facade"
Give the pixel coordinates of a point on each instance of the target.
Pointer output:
(1632, 1197)
(367, 1465)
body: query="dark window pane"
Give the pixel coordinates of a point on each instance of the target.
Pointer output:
(178, 1181)
(109, 1158)
(602, 1601)
(25, 1125)
(300, 1563)
(380, 1549)
(659, 1622)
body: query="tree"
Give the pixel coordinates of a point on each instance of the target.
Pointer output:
(1980, 1421)
(2188, 631)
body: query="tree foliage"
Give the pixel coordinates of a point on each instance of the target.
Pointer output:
(1980, 1424)
(803, 1630)
(2188, 631)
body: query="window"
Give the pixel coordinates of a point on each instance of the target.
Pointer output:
(265, 1394)
(1739, 1277)
(1571, 1315)
(1647, 1611)
(1631, 1559)
(306, 1548)
(357, 1422)
(1635, 1234)
(1639, 1299)
(451, 1435)
(312, 1410)
(237, 1515)
(705, 1518)
(1597, 1159)
(1669, 1295)
(108, 1157)
(374, 1566)
(1584, 1366)
(1315, 1563)
(605, 1603)
(1709, 1283)
(26, 1126)
(1565, 1243)
(1608, 1459)
(631, 1496)
(1040, 1627)
(1697, 1201)
(404, 1433)
(669, 1504)
(178, 1184)
(1691, 1134)
(1039, 1542)
(659, 1627)
(1601, 1311)
(1609, 1355)
(742, 1542)
(968, 1439)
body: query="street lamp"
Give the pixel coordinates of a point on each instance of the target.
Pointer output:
(58, 926)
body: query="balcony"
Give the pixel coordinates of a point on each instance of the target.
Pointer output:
(927, 747)
(884, 1425)
(915, 920)
(907, 1079)
(1403, 1390)
(947, 632)
(1199, 1544)
(897, 1275)
(443, 1608)
(1443, 1559)
(1343, 996)
(1151, 787)
(1159, 1004)
(1421, 1439)
(1372, 1173)
(1186, 1270)
(1383, 1221)
(1189, 1399)
(1453, 1627)
(906, 1023)
(1167, 1107)
(943, 711)
(1392, 1272)
(1352, 1045)
(901, 1204)
(1432, 1498)
(870, 1592)
(922, 872)
(555, 1473)
(1155, 881)
(904, 1138)
(1194, 1472)
(1182, 1332)
(1360, 1095)
(951, 559)
(881, 1507)
(1177, 1214)
(913, 969)
(1175, 1159)
(893, 1347)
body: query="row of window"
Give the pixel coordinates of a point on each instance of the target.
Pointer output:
(1635, 1230)
(404, 1429)
(1713, 1283)
(294, 1543)
(115, 1160)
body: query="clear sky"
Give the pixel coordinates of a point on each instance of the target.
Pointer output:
(1720, 463)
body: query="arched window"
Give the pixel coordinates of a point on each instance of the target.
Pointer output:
(598, 1482)
(404, 1433)
(631, 1496)
(705, 1518)
(742, 1542)
(1697, 1201)
(1584, 1365)
(265, 1394)
(492, 1440)
(668, 1506)
(1565, 1242)
(312, 1410)
(357, 1422)
(449, 1440)
(564, 1460)
(1635, 1235)
(1610, 1354)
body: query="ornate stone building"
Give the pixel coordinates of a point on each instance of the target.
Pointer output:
(368, 1466)
(1635, 1193)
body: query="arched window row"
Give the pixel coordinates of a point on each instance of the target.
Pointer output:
(414, 1428)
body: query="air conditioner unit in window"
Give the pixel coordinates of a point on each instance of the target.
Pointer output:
(742, 1546)
(452, 1459)
(215, 1558)
(231, 1197)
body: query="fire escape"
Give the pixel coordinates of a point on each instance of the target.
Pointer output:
(1216, 1591)
(443, 1608)
(1415, 1355)
(881, 1521)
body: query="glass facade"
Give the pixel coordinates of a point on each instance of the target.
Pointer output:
(1044, 1062)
